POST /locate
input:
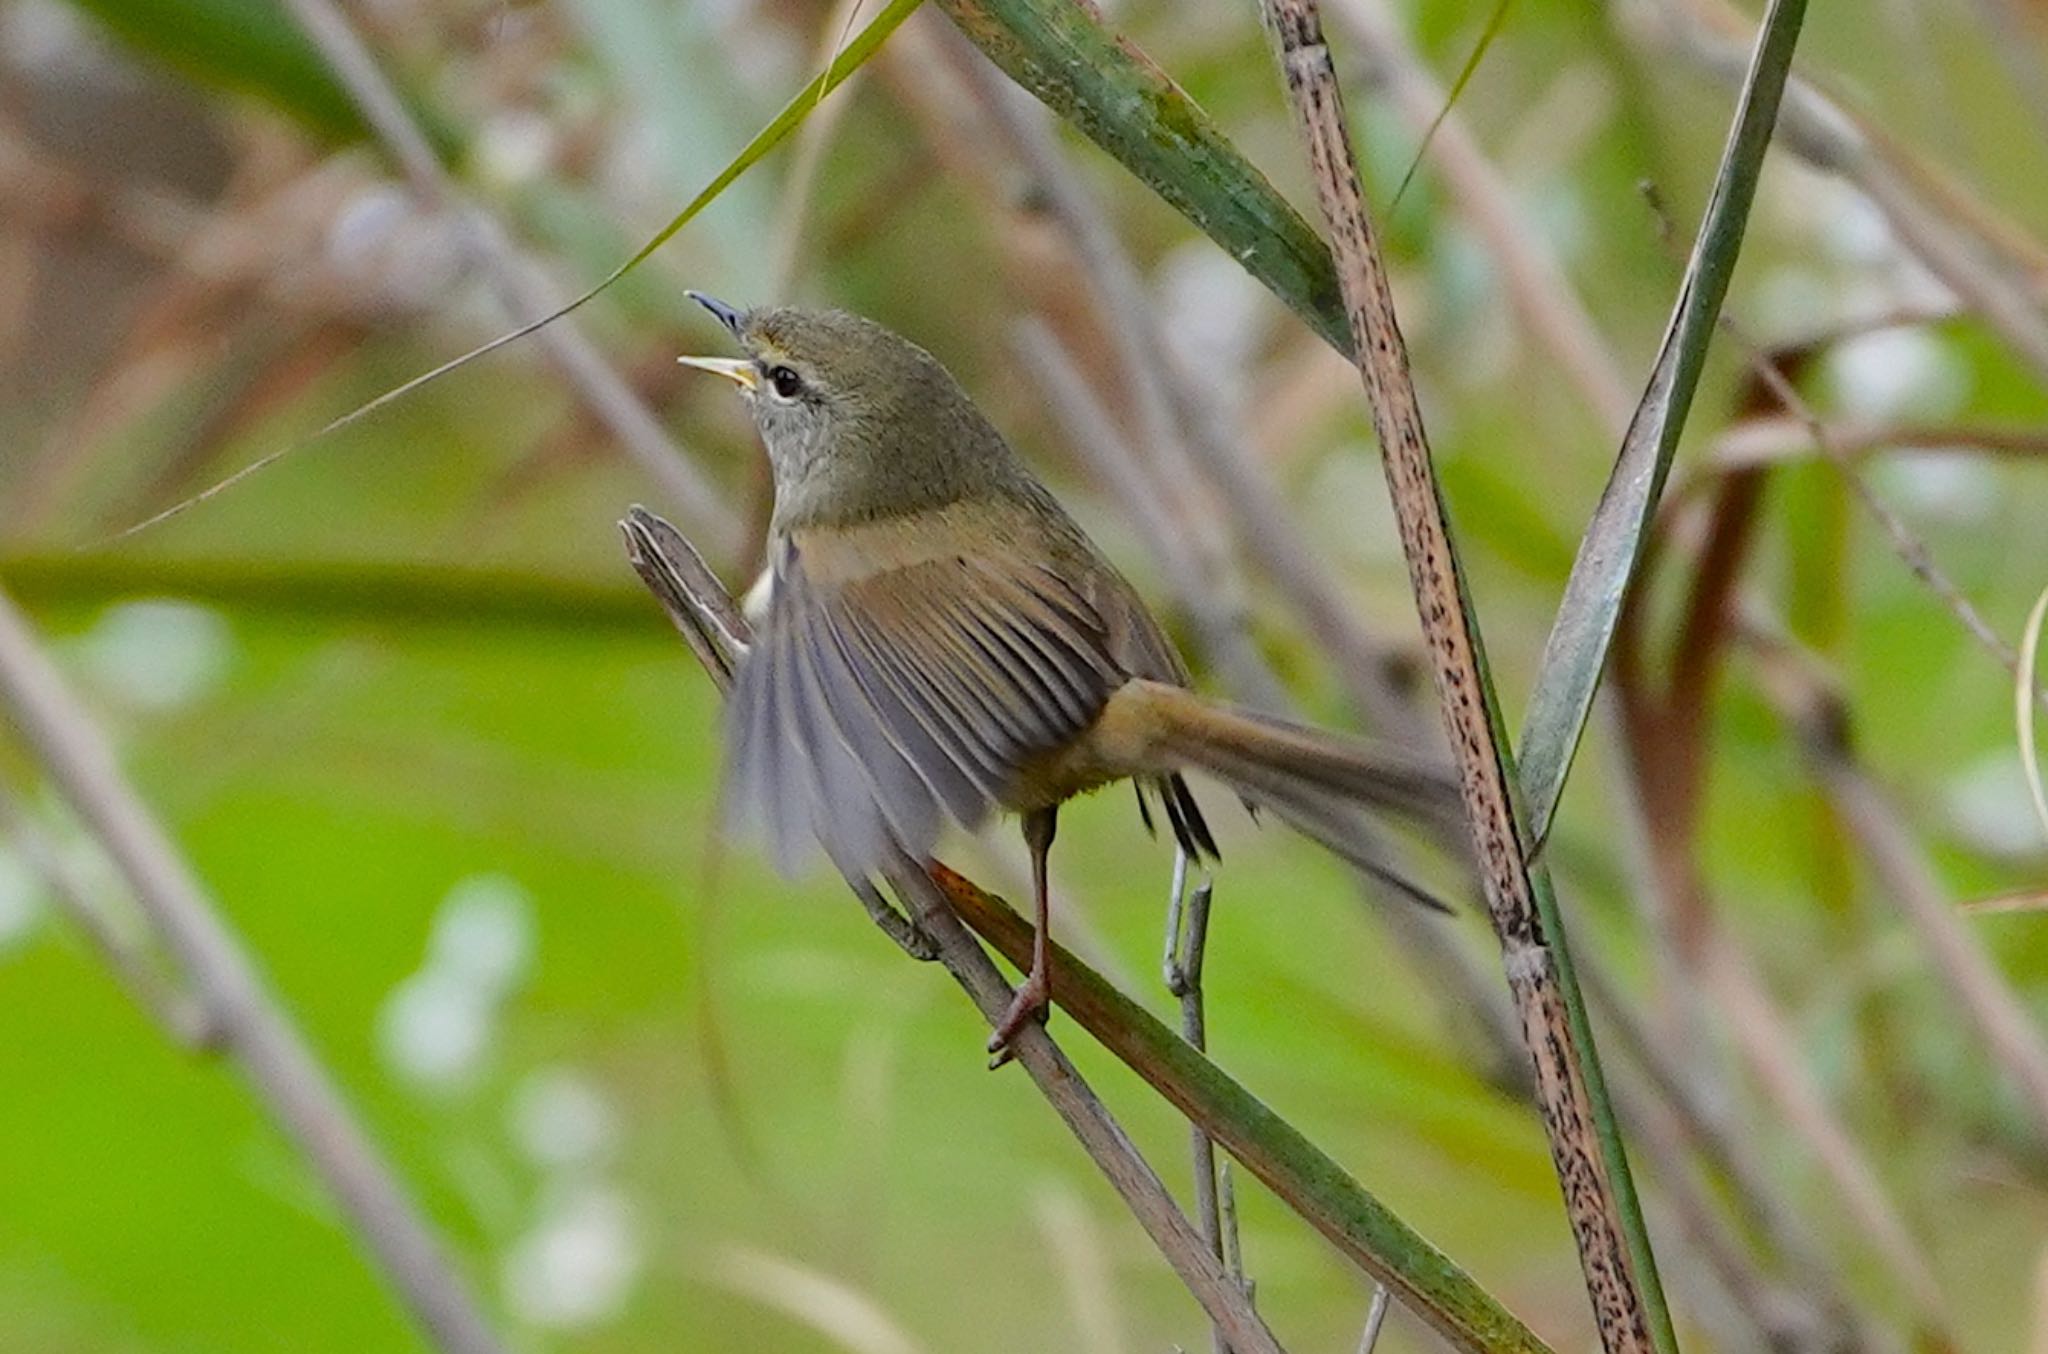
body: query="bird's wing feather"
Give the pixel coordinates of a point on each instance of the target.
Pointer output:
(879, 701)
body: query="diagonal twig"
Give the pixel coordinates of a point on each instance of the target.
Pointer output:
(245, 1018)
(182, 1014)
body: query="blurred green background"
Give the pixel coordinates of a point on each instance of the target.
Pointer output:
(452, 777)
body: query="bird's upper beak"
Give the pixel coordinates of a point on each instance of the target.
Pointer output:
(729, 316)
(735, 369)
(739, 372)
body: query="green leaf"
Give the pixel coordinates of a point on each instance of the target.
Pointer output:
(1576, 653)
(251, 47)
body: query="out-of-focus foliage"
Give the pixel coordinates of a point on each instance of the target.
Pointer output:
(245, 45)
(401, 701)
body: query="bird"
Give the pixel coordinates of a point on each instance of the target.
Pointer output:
(937, 640)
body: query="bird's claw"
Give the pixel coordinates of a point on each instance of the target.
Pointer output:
(1032, 1001)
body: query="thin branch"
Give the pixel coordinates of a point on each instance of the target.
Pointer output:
(1375, 1318)
(524, 293)
(1910, 549)
(1187, 943)
(1761, 442)
(1227, 1305)
(1424, 1280)
(181, 1014)
(251, 1026)
(1614, 1252)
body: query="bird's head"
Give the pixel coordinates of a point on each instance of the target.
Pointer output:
(858, 421)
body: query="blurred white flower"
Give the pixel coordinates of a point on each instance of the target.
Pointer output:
(364, 226)
(436, 1027)
(1210, 310)
(560, 1119)
(514, 148)
(1792, 299)
(156, 655)
(22, 899)
(1897, 373)
(577, 1264)
(1938, 484)
(1989, 805)
(39, 35)
(1854, 230)
(381, 239)
(483, 934)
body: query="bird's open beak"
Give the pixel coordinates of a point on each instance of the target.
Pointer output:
(729, 316)
(735, 369)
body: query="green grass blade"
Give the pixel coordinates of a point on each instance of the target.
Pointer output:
(849, 59)
(1494, 23)
(1576, 652)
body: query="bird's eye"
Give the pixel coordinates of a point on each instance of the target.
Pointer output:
(785, 382)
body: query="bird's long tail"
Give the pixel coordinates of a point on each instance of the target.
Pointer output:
(1314, 780)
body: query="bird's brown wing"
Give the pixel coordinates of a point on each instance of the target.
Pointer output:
(902, 677)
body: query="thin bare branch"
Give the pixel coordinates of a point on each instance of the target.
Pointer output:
(1187, 943)
(1375, 1318)
(180, 1013)
(1090, 1122)
(1908, 546)
(1759, 442)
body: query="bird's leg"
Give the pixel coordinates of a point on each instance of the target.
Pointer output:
(1034, 996)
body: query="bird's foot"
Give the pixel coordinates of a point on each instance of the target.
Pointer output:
(1032, 1001)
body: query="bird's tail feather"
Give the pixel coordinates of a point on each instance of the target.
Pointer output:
(1316, 781)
